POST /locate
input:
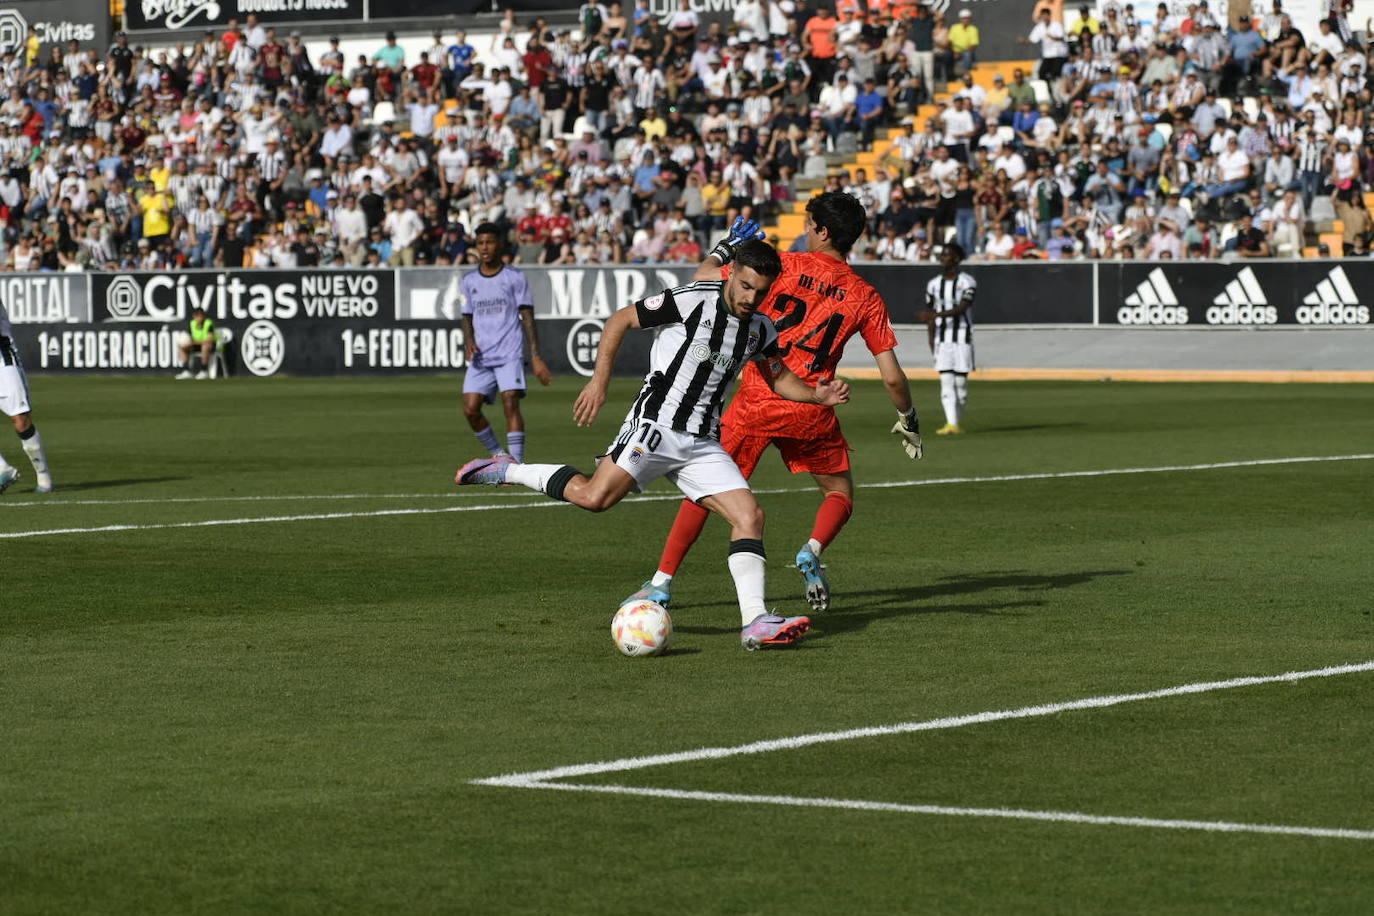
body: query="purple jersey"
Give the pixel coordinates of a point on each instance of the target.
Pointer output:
(494, 304)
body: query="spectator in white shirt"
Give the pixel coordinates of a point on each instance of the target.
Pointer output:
(404, 226)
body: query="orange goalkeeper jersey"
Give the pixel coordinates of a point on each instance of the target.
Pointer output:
(817, 304)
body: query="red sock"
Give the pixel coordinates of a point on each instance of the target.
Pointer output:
(691, 518)
(830, 518)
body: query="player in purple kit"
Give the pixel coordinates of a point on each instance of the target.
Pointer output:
(498, 323)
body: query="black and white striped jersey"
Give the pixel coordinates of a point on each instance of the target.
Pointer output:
(944, 294)
(699, 350)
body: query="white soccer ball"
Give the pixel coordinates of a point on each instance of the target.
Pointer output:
(641, 628)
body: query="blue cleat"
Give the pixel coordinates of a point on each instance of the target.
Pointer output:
(817, 589)
(650, 592)
(771, 630)
(7, 477)
(490, 471)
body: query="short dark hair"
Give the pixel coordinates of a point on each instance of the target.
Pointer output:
(759, 256)
(841, 215)
(489, 229)
(956, 249)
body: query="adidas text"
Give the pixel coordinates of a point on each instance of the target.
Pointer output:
(1333, 314)
(1242, 314)
(1152, 314)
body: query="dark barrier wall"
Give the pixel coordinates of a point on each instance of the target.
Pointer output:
(145, 15)
(1242, 295)
(266, 347)
(408, 320)
(57, 22)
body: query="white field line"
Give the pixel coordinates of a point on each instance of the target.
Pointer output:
(925, 482)
(1073, 817)
(903, 728)
(544, 779)
(326, 516)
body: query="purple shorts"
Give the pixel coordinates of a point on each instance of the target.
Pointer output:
(488, 380)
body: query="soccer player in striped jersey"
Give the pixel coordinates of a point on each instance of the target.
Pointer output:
(14, 403)
(817, 305)
(708, 332)
(498, 323)
(949, 324)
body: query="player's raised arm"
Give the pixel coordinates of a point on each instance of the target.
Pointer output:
(741, 231)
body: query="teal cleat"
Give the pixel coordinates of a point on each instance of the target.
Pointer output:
(7, 477)
(650, 592)
(817, 589)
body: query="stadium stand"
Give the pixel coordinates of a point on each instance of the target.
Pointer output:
(629, 137)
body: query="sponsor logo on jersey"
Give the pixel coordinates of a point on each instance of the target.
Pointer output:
(1242, 302)
(1153, 302)
(704, 354)
(1333, 302)
(263, 348)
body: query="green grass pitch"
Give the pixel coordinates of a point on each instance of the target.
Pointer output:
(287, 716)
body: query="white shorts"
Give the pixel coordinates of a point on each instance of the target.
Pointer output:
(14, 387)
(488, 380)
(953, 357)
(699, 466)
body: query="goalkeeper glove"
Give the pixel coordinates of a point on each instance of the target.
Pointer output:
(742, 231)
(908, 426)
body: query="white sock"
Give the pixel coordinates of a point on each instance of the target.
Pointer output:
(534, 476)
(660, 579)
(960, 396)
(814, 545)
(4, 465)
(33, 447)
(747, 569)
(948, 399)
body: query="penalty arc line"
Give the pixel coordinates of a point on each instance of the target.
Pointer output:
(381, 513)
(544, 779)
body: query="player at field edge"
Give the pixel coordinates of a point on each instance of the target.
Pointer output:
(707, 332)
(948, 316)
(14, 403)
(817, 304)
(498, 324)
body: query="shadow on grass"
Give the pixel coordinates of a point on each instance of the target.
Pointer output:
(852, 611)
(125, 482)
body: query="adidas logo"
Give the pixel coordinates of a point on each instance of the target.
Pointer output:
(1153, 302)
(1242, 302)
(1333, 302)
(707, 323)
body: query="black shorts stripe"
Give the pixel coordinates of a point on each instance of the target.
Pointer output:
(6, 352)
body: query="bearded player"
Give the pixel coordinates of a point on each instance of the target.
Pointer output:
(817, 304)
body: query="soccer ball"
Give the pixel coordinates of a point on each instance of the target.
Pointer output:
(641, 628)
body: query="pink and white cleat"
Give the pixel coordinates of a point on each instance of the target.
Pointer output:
(490, 471)
(768, 630)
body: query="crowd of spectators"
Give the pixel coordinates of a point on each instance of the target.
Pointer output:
(634, 137)
(627, 138)
(1175, 137)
